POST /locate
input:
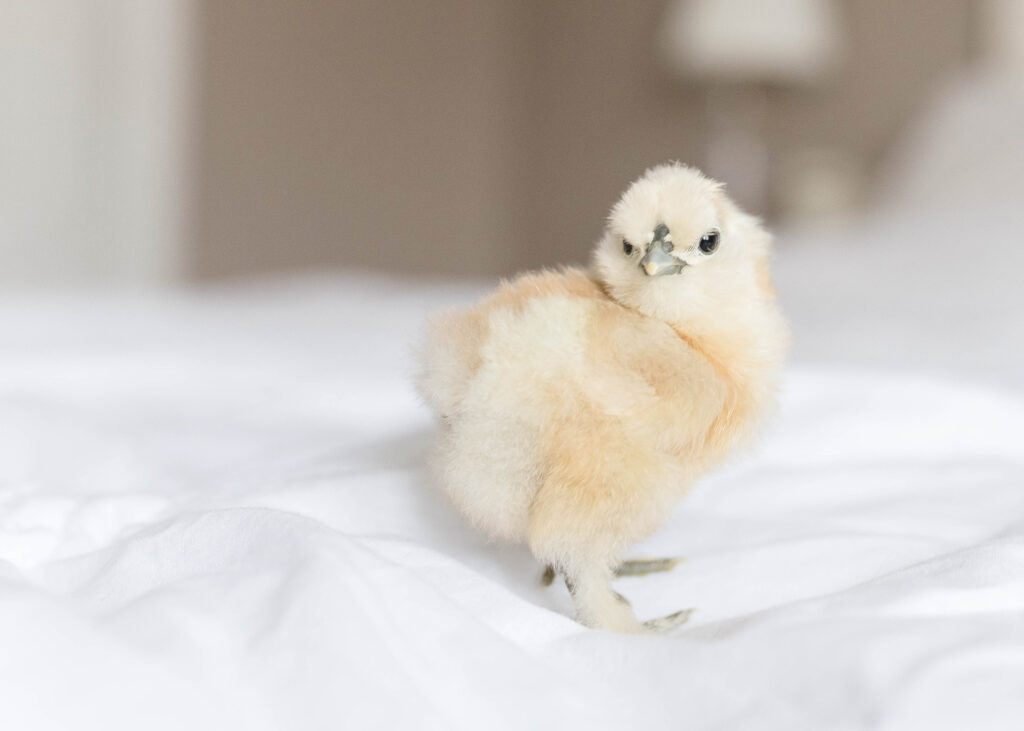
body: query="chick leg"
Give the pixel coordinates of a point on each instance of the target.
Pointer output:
(580, 521)
(597, 604)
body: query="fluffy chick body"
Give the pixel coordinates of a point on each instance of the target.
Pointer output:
(576, 407)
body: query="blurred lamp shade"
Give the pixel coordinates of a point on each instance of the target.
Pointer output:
(767, 41)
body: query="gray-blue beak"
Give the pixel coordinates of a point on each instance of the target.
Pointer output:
(658, 261)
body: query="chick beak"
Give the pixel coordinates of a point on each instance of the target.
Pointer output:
(657, 261)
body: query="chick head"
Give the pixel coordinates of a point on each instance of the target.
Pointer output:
(678, 249)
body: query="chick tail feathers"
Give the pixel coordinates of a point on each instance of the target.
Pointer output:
(447, 359)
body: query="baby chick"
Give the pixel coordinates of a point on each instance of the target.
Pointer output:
(576, 407)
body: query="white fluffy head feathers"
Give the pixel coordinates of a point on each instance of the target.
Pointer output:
(677, 248)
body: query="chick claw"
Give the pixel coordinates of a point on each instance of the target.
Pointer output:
(668, 622)
(645, 566)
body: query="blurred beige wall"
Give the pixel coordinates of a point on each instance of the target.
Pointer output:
(367, 133)
(483, 136)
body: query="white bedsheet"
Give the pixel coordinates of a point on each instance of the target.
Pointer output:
(213, 514)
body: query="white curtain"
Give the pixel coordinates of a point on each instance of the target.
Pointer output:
(94, 110)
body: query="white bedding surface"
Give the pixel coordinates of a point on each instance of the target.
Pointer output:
(214, 514)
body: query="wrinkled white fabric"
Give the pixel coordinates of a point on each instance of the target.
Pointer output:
(214, 513)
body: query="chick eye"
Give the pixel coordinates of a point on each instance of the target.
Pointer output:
(709, 241)
(627, 247)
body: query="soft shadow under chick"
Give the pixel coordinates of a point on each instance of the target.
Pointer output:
(576, 407)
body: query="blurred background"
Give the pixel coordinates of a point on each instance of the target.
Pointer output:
(150, 142)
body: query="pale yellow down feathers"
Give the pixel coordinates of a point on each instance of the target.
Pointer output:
(576, 407)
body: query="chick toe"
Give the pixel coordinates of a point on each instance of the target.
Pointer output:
(669, 622)
(645, 566)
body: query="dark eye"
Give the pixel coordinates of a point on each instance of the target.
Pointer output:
(709, 241)
(627, 247)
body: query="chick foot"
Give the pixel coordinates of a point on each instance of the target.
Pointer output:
(644, 567)
(600, 606)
